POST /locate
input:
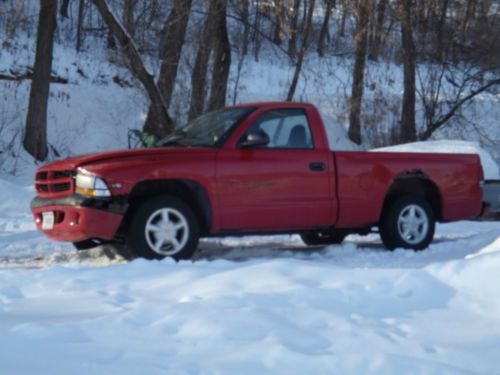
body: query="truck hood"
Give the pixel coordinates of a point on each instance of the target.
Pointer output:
(119, 155)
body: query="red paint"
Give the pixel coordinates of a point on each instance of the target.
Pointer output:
(79, 223)
(269, 190)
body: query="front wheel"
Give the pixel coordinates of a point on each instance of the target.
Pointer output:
(408, 223)
(164, 226)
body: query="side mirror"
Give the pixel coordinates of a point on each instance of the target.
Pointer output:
(256, 138)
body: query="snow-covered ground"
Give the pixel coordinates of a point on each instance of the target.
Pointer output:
(252, 305)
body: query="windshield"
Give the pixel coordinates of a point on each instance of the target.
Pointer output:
(208, 130)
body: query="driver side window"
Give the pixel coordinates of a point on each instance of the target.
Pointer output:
(286, 128)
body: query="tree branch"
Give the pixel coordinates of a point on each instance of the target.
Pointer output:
(138, 68)
(458, 104)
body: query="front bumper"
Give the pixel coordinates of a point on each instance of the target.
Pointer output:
(78, 218)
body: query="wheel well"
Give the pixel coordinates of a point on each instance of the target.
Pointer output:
(414, 183)
(189, 191)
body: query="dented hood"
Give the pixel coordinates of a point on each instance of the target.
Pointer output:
(119, 155)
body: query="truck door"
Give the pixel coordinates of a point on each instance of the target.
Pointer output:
(280, 186)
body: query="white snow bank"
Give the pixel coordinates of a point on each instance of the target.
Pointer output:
(265, 316)
(490, 167)
(337, 135)
(252, 305)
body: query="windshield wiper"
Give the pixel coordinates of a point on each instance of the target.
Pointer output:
(170, 142)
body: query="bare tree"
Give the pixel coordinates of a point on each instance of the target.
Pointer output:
(446, 89)
(79, 25)
(63, 11)
(379, 28)
(128, 16)
(361, 41)
(408, 131)
(441, 50)
(165, 124)
(279, 20)
(199, 76)
(468, 17)
(330, 4)
(302, 52)
(345, 15)
(35, 136)
(292, 41)
(256, 35)
(246, 25)
(171, 43)
(222, 60)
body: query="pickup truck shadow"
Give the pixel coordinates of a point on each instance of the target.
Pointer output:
(356, 251)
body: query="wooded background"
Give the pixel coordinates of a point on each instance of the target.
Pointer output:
(457, 40)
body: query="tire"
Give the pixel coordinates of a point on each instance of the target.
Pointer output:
(163, 226)
(408, 223)
(86, 244)
(317, 237)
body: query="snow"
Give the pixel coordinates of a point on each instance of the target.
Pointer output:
(490, 167)
(249, 305)
(337, 135)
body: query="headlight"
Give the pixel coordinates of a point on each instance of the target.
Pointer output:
(91, 186)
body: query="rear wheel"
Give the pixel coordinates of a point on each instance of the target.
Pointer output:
(316, 237)
(408, 223)
(163, 226)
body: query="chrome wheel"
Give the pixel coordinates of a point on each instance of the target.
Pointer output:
(167, 231)
(413, 224)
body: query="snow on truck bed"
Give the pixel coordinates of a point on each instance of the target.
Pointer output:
(490, 167)
(252, 305)
(339, 141)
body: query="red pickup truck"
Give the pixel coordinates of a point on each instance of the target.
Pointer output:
(248, 169)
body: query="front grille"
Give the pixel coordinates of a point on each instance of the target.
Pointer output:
(62, 187)
(61, 174)
(42, 175)
(51, 184)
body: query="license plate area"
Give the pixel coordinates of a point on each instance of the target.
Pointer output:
(48, 219)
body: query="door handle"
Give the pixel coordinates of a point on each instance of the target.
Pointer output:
(317, 166)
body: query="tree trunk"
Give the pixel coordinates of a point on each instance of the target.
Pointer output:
(345, 14)
(63, 11)
(256, 28)
(171, 42)
(467, 17)
(110, 40)
(246, 26)
(199, 76)
(300, 59)
(379, 28)
(442, 51)
(128, 16)
(292, 42)
(278, 22)
(79, 27)
(304, 17)
(408, 127)
(165, 124)
(361, 42)
(222, 60)
(330, 4)
(35, 136)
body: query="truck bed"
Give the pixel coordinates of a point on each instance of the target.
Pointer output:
(364, 178)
